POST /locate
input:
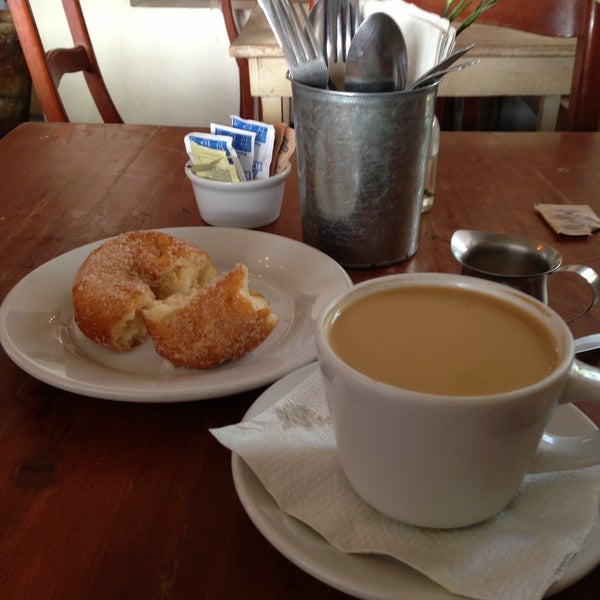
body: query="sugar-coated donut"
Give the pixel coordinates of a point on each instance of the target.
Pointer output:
(221, 321)
(147, 281)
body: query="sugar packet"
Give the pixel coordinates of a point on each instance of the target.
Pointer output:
(212, 164)
(263, 144)
(279, 135)
(220, 147)
(243, 144)
(285, 151)
(569, 219)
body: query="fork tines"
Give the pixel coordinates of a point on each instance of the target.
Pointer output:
(296, 36)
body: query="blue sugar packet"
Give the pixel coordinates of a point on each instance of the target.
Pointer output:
(243, 144)
(263, 144)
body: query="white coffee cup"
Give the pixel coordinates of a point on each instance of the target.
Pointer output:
(443, 461)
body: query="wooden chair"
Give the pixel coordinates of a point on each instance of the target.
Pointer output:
(232, 26)
(48, 67)
(561, 18)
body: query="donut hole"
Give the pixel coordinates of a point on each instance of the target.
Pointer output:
(160, 309)
(129, 332)
(185, 276)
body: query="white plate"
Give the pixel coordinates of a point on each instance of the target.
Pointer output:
(38, 332)
(366, 576)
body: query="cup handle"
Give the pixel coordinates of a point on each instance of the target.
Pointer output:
(560, 453)
(591, 277)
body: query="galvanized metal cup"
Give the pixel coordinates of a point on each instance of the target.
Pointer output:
(361, 164)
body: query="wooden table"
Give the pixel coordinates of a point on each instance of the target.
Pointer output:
(102, 499)
(513, 63)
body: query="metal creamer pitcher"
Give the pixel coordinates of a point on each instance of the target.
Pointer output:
(520, 262)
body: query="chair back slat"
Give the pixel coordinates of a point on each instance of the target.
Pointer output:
(48, 67)
(560, 18)
(231, 25)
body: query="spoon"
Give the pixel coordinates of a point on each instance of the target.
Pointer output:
(587, 343)
(317, 18)
(435, 75)
(376, 60)
(443, 64)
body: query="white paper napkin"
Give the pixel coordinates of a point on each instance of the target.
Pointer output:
(517, 554)
(429, 37)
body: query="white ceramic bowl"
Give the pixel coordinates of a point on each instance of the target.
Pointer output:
(242, 204)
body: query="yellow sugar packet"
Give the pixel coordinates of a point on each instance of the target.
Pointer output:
(212, 164)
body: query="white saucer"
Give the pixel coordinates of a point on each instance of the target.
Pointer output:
(38, 332)
(366, 576)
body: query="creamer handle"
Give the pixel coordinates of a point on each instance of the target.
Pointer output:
(591, 277)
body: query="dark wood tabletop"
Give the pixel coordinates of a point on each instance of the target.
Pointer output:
(105, 499)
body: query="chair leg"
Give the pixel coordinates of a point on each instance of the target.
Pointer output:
(548, 113)
(246, 99)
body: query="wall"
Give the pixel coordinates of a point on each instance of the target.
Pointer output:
(161, 65)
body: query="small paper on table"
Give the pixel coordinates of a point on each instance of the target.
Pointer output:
(570, 219)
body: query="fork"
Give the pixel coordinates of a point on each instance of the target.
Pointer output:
(296, 36)
(343, 19)
(343, 22)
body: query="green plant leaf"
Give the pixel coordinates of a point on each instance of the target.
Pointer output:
(454, 8)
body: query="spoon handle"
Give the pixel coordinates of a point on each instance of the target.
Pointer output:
(587, 343)
(428, 78)
(441, 66)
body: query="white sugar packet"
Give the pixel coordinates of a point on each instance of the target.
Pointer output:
(517, 554)
(429, 37)
(570, 219)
